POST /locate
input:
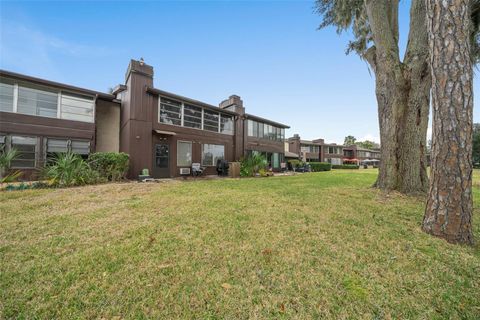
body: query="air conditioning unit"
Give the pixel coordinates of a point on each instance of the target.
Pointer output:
(184, 171)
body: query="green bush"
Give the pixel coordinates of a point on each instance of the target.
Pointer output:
(296, 163)
(69, 169)
(110, 165)
(320, 166)
(251, 165)
(345, 166)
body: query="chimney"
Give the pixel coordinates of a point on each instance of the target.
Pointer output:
(140, 68)
(233, 103)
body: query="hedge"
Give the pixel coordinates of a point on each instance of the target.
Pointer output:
(345, 166)
(320, 166)
(295, 163)
(110, 165)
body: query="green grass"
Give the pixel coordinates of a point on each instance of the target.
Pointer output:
(319, 245)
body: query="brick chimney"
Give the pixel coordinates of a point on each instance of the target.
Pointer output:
(233, 103)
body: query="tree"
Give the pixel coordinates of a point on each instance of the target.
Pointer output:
(349, 140)
(367, 144)
(402, 86)
(448, 212)
(476, 145)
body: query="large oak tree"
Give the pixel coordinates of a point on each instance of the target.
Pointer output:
(402, 84)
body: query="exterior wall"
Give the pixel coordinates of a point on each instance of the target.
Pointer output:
(108, 126)
(43, 128)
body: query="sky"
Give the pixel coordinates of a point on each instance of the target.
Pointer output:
(270, 53)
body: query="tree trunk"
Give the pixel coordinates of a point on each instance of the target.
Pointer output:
(402, 90)
(448, 212)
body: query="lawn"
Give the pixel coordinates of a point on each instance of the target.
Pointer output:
(319, 245)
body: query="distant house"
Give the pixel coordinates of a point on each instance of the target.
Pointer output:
(318, 150)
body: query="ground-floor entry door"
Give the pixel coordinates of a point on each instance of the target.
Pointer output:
(161, 161)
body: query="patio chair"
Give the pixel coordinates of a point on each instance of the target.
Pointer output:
(197, 169)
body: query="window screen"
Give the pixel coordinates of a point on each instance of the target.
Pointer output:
(26, 147)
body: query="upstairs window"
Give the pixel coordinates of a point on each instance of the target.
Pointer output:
(226, 124)
(77, 107)
(27, 148)
(38, 102)
(192, 116)
(6, 95)
(210, 120)
(170, 112)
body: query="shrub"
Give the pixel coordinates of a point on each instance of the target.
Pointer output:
(345, 166)
(110, 165)
(69, 169)
(320, 166)
(296, 163)
(251, 165)
(6, 157)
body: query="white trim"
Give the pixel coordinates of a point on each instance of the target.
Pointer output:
(15, 97)
(181, 115)
(59, 105)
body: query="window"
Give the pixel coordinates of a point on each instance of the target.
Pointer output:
(80, 147)
(210, 120)
(260, 129)
(255, 129)
(250, 125)
(276, 160)
(184, 154)
(64, 145)
(26, 147)
(34, 101)
(6, 95)
(211, 153)
(226, 124)
(3, 141)
(192, 116)
(170, 112)
(77, 107)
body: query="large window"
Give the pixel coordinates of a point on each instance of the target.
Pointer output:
(6, 95)
(170, 111)
(54, 146)
(184, 154)
(265, 131)
(210, 120)
(226, 124)
(192, 116)
(26, 147)
(77, 107)
(37, 102)
(31, 99)
(211, 153)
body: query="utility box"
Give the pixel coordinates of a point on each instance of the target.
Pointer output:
(234, 170)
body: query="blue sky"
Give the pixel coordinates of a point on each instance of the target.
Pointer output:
(268, 52)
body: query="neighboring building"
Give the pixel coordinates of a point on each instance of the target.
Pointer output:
(318, 150)
(40, 117)
(161, 131)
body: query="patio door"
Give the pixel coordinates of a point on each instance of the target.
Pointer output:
(161, 160)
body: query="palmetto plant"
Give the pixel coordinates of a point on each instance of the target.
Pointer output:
(69, 169)
(251, 165)
(6, 157)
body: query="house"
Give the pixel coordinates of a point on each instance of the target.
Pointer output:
(318, 150)
(161, 131)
